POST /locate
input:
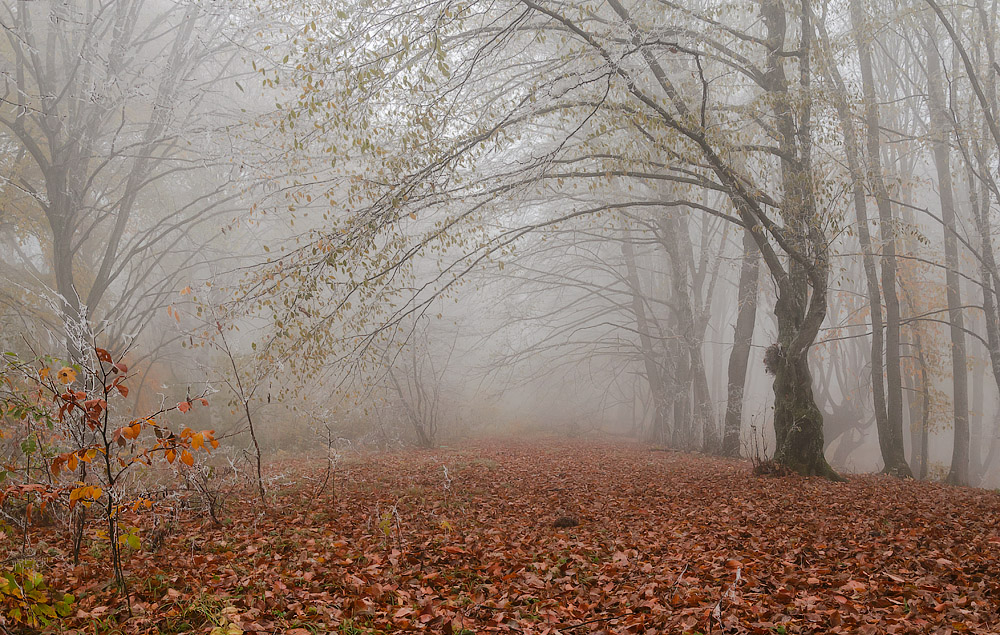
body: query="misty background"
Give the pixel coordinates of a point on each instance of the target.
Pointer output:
(395, 224)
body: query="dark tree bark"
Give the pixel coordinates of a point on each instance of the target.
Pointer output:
(739, 358)
(802, 292)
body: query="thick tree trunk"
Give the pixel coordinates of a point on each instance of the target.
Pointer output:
(802, 291)
(798, 422)
(739, 358)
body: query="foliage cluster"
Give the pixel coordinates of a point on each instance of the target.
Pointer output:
(69, 444)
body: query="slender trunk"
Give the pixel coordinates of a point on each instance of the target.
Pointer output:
(674, 236)
(710, 442)
(976, 418)
(979, 187)
(891, 435)
(920, 402)
(994, 450)
(853, 155)
(979, 202)
(654, 374)
(940, 143)
(78, 520)
(681, 391)
(925, 412)
(739, 358)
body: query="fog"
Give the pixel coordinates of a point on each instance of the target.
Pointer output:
(757, 230)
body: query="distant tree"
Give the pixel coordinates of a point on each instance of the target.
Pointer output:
(113, 179)
(417, 373)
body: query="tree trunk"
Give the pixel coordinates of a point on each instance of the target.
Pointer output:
(853, 155)
(891, 435)
(654, 373)
(798, 423)
(979, 202)
(739, 358)
(681, 390)
(675, 238)
(959, 473)
(802, 291)
(710, 442)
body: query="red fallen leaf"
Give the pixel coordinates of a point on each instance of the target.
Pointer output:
(853, 586)
(784, 596)
(403, 612)
(534, 581)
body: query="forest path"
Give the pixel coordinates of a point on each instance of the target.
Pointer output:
(463, 538)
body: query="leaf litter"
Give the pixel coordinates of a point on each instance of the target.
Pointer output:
(465, 540)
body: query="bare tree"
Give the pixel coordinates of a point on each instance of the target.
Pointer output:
(107, 108)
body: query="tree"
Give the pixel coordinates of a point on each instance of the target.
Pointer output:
(742, 341)
(106, 107)
(617, 93)
(419, 381)
(891, 430)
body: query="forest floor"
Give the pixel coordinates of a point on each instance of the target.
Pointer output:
(464, 541)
